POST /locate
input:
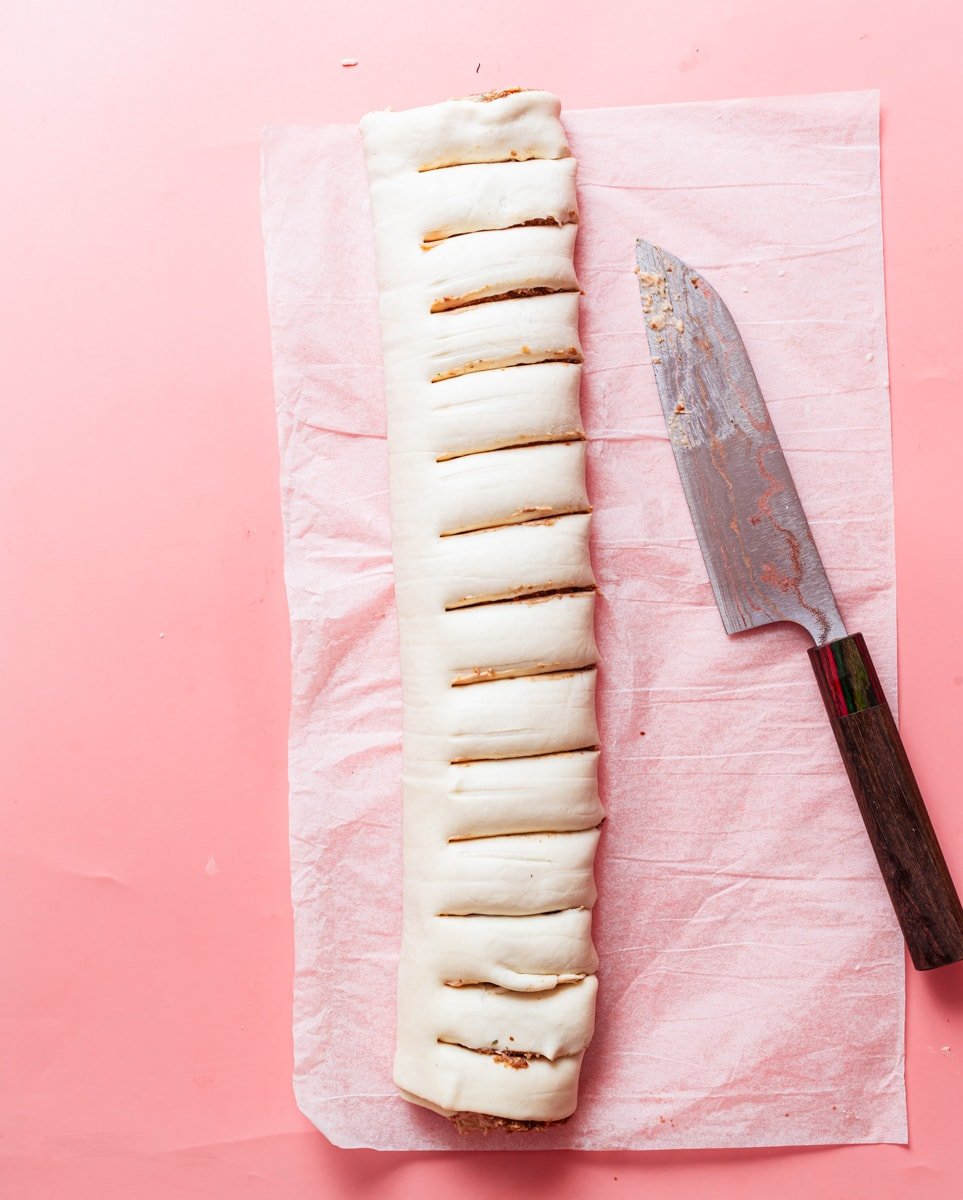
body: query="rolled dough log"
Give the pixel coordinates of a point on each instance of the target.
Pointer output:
(474, 212)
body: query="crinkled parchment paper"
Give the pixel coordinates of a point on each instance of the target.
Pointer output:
(751, 969)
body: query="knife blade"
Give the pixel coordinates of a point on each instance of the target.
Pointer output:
(765, 568)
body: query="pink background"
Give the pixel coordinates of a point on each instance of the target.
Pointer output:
(146, 932)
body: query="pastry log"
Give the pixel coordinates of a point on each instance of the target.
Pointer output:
(474, 214)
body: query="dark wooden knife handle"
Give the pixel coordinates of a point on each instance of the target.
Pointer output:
(919, 883)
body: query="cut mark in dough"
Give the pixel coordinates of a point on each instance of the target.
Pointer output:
(534, 521)
(517, 443)
(520, 833)
(513, 916)
(565, 981)
(442, 405)
(507, 1056)
(467, 762)
(479, 675)
(513, 157)
(472, 299)
(565, 977)
(526, 593)
(435, 236)
(523, 357)
(535, 514)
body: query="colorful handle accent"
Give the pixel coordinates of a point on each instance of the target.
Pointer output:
(909, 856)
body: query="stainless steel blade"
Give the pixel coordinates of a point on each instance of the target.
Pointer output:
(756, 542)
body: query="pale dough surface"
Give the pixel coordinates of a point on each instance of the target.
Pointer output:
(475, 219)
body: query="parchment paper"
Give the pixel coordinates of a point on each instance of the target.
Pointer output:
(751, 979)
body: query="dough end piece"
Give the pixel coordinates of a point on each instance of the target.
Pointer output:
(480, 1124)
(483, 1124)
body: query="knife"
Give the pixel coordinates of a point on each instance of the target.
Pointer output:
(764, 567)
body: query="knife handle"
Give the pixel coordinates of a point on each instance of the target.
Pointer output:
(909, 856)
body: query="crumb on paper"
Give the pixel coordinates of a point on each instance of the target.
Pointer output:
(160, 635)
(944, 1049)
(478, 68)
(349, 62)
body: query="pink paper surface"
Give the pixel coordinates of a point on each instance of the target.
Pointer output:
(751, 969)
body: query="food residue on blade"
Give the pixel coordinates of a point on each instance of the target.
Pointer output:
(648, 280)
(657, 323)
(676, 428)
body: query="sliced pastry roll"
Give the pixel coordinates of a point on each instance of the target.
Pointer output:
(475, 219)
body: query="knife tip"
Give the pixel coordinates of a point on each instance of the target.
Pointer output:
(652, 258)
